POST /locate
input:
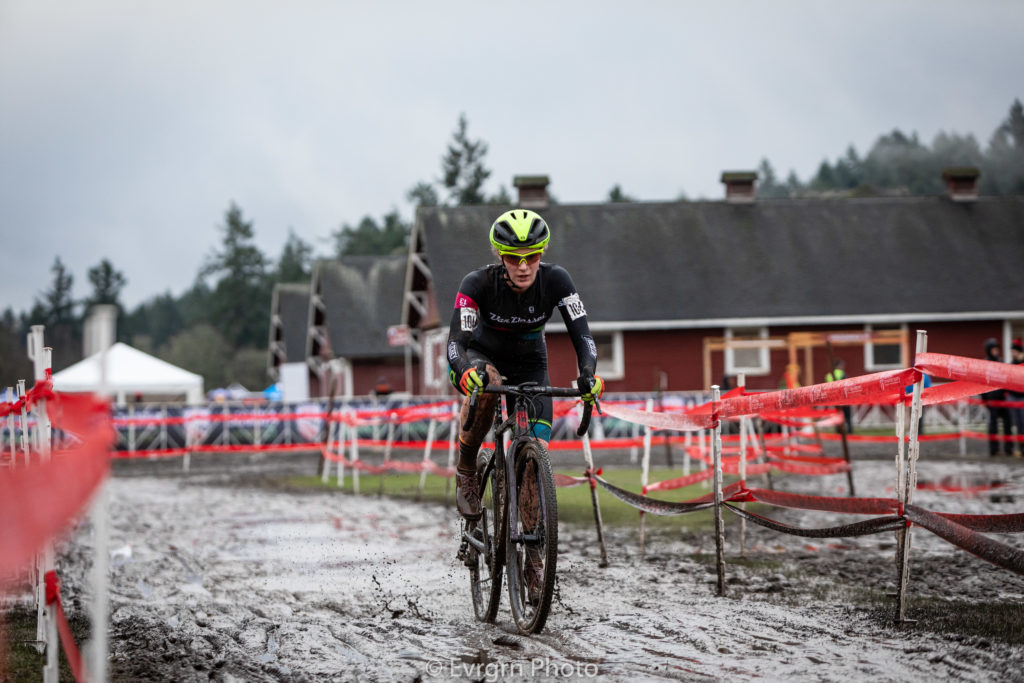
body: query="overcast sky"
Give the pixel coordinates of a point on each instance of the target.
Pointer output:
(128, 127)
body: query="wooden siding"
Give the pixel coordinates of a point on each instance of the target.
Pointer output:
(679, 354)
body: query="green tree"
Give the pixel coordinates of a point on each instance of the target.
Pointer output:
(155, 321)
(241, 297)
(423, 194)
(502, 197)
(793, 185)
(56, 310)
(824, 180)
(295, 264)
(14, 362)
(371, 238)
(617, 196)
(849, 171)
(768, 183)
(462, 167)
(107, 283)
(200, 349)
(248, 367)
(901, 162)
(58, 306)
(1003, 170)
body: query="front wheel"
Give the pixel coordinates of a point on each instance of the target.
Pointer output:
(533, 540)
(485, 566)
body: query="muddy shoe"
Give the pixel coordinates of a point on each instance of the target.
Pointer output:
(467, 495)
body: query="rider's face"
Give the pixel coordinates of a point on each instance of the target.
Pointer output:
(522, 266)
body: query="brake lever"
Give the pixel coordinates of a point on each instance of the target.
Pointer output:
(471, 411)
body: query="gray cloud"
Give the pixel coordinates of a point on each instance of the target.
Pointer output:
(127, 128)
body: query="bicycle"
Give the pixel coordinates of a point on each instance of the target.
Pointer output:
(523, 539)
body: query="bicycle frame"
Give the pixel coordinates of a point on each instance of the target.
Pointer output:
(517, 423)
(508, 539)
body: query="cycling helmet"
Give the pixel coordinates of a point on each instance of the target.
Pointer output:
(519, 229)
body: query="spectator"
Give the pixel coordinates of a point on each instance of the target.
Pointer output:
(791, 377)
(1017, 412)
(997, 411)
(382, 388)
(837, 373)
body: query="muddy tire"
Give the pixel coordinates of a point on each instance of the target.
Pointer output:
(532, 562)
(485, 575)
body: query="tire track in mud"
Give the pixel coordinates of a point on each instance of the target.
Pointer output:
(219, 582)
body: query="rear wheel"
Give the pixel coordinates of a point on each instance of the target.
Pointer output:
(532, 560)
(485, 567)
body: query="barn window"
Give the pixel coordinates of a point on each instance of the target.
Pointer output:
(611, 363)
(752, 360)
(882, 356)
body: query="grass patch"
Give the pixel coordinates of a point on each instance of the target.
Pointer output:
(574, 504)
(21, 662)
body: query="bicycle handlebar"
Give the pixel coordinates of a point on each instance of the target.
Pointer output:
(530, 389)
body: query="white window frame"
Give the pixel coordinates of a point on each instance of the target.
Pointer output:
(1012, 329)
(611, 358)
(435, 362)
(764, 366)
(869, 351)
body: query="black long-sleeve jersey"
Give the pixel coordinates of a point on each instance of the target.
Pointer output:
(508, 327)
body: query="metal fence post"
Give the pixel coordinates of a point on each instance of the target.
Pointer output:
(716, 447)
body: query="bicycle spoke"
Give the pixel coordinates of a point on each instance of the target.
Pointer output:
(485, 567)
(531, 560)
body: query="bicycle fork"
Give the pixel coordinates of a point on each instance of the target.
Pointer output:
(514, 536)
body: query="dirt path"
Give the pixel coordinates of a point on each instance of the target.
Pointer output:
(216, 580)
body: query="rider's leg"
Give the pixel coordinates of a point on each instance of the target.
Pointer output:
(467, 493)
(470, 439)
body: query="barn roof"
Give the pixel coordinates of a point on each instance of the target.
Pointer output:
(643, 263)
(291, 308)
(361, 297)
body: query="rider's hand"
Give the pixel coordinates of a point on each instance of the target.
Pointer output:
(474, 378)
(591, 387)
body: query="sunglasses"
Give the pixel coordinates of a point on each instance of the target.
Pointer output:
(514, 260)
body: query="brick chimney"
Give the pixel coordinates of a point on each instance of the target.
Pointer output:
(739, 186)
(962, 183)
(533, 190)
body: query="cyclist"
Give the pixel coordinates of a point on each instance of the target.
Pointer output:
(497, 329)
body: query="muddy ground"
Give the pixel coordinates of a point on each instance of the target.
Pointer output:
(219, 576)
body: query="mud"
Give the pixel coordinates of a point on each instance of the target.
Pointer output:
(215, 577)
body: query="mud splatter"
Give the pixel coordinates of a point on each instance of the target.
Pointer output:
(222, 580)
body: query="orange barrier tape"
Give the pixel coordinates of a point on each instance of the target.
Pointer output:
(67, 639)
(998, 404)
(654, 420)
(45, 497)
(878, 387)
(985, 372)
(568, 481)
(947, 393)
(1003, 438)
(679, 482)
(392, 466)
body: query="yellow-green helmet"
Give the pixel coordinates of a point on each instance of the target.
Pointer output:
(519, 229)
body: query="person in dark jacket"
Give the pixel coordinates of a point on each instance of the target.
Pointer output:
(996, 412)
(1017, 412)
(837, 373)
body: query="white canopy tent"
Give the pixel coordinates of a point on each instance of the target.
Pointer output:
(131, 372)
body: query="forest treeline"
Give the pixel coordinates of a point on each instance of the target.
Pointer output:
(219, 327)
